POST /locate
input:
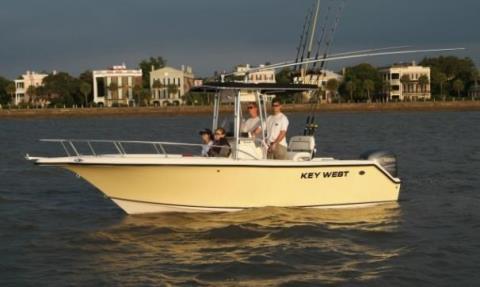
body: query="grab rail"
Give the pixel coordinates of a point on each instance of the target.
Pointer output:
(159, 147)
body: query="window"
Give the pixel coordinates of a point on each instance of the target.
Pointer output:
(396, 76)
(396, 88)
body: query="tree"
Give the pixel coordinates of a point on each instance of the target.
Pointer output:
(356, 76)
(147, 65)
(11, 90)
(86, 90)
(157, 85)
(386, 89)
(63, 89)
(32, 93)
(5, 91)
(143, 95)
(369, 87)
(332, 86)
(350, 87)
(137, 93)
(284, 76)
(423, 82)
(441, 79)
(452, 68)
(459, 86)
(113, 87)
(172, 89)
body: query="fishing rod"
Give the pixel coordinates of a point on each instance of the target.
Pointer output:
(348, 57)
(314, 29)
(330, 39)
(345, 54)
(307, 32)
(303, 35)
(324, 32)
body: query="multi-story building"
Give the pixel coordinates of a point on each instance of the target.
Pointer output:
(22, 85)
(256, 76)
(407, 82)
(319, 79)
(169, 85)
(474, 91)
(115, 86)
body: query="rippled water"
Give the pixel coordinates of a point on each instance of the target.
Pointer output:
(56, 230)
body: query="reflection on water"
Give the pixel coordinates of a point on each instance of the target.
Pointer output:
(260, 246)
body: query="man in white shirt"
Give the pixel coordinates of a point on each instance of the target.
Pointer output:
(277, 126)
(252, 125)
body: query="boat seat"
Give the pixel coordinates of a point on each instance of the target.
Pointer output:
(301, 148)
(299, 156)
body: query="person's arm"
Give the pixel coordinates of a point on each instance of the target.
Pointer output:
(280, 138)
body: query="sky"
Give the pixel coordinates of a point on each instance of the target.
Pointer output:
(215, 35)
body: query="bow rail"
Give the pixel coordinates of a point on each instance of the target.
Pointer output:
(71, 146)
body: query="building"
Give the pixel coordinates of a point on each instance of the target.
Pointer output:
(198, 82)
(169, 85)
(320, 80)
(474, 91)
(29, 79)
(407, 82)
(256, 77)
(115, 86)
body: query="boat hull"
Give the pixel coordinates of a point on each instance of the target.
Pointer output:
(141, 189)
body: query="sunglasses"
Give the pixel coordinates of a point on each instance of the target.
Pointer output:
(251, 107)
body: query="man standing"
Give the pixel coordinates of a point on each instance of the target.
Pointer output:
(277, 126)
(252, 125)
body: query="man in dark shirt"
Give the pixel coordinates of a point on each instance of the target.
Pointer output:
(220, 147)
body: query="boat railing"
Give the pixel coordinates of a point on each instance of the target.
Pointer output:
(72, 147)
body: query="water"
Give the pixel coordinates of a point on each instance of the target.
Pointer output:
(57, 230)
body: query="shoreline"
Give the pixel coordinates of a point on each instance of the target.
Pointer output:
(199, 110)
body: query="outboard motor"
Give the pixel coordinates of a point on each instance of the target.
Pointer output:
(386, 159)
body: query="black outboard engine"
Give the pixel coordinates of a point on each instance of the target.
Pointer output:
(386, 159)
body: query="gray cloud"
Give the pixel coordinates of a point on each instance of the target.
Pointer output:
(73, 35)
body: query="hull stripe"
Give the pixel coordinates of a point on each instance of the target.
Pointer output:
(240, 208)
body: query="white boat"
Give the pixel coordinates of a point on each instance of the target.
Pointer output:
(163, 181)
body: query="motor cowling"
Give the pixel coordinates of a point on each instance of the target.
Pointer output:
(386, 159)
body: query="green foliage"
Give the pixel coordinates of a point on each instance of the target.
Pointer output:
(113, 87)
(63, 89)
(355, 82)
(423, 81)
(6, 93)
(284, 76)
(332, 85)
(458, 86)
(172, 89)
(86, 90)
(198, 98)
(147, 65)
(446, 70)
(368, 87)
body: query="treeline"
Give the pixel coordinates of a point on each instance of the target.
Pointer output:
(451, 77)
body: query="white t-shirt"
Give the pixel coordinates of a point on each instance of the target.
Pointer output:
(276, 124)
(250, 125)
